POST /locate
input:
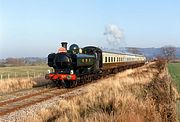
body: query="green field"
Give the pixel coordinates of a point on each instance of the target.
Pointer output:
(174, 69)
(23, 71)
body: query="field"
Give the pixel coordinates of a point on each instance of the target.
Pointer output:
(22, 77)
(23, 71)
(174, 69)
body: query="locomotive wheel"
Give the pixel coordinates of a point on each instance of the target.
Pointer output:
(57, 83)
(96, 77)
(75, 83)
(86, 79)
(70, 84)
(66, 84)
(90, 78)
(82, 80)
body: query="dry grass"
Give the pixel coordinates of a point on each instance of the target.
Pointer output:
(125, 97)
(14, 84)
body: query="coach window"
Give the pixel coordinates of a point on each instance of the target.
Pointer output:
(114, 59)
(109, 59)
(105, 59)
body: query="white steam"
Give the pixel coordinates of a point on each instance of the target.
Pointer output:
(114, 34)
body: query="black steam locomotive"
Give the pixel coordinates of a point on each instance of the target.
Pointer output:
(80, 65)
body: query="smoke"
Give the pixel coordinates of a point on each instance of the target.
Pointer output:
(114, 34)
(115, 38)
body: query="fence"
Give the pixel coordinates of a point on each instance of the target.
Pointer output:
(22, 75)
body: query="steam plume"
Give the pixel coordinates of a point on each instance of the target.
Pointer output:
(114, 34)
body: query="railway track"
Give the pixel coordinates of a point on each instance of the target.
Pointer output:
(15, 104)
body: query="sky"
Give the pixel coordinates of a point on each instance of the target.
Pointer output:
(35, 28)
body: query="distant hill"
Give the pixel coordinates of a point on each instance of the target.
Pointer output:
(152, 52)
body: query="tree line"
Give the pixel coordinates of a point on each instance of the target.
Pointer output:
(22, 61)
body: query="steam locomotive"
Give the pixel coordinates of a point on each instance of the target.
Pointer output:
(81, 65)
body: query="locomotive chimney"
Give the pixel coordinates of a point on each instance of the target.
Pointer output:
(64, 44)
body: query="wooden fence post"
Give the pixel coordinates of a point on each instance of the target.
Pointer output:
(8, 75)
(27, 74)
(1, 77)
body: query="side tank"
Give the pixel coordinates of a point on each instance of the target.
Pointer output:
(97, 52)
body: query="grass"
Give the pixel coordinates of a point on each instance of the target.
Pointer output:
(16, 84)
(23, 71)
(174, 69)
(123, 98)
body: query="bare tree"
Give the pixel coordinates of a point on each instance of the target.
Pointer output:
(168, 52)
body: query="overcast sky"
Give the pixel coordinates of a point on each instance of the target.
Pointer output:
(36, 27)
